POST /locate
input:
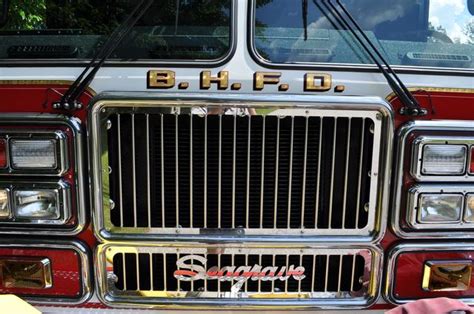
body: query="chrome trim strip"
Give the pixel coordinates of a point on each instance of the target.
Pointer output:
(402, 135)
(417, 247)
(130, 299)
(417, 152)
(79, 179)
(81, 249)
(363, 107)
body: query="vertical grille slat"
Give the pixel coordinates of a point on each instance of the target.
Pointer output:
(186, 171)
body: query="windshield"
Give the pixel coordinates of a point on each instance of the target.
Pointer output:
(436, 33)
(76, 29)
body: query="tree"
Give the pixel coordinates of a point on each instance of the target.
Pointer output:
(469, 31)
(25, 14)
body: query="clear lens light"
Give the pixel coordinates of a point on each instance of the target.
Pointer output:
(33, 154)
(469, 214)
(444, 159)
(41, 204)
(439, 208)
(4, 204)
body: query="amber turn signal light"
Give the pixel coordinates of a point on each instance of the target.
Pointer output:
(447, 276)
(29, 273)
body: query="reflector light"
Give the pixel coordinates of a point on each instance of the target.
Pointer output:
(39, 154)
(3, 153)
(444, 159)
(440, 208)
(50, 271)
(421, 270)
(447, 276)
(4, 204)
(39, 204)
(25, 273)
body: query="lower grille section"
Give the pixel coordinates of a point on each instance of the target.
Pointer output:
(309, 277)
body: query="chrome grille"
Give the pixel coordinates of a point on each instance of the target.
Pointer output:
(141, 273)
(177, 170)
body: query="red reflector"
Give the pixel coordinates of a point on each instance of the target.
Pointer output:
(3, 153)
(471, 167)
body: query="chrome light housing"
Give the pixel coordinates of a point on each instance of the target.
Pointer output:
(36, 203)
(41, 175)
(441, 158)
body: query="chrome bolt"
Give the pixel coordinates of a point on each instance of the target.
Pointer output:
(366, 207)
(112, 204)
(109, 124)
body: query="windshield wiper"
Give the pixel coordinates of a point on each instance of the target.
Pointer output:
(411, 105)
(70, 99)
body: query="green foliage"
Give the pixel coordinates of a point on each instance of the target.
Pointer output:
(26, 14)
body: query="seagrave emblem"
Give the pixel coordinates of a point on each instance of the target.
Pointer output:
(191, 268)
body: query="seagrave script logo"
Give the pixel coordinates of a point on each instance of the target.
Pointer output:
(190, 268)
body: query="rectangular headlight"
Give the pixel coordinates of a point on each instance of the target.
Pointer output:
(444, 159)
(469, 213)
(440, 208)
(38, 154)
(4, 204)
(37, 204)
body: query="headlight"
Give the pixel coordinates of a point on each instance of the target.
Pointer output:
(39, 154)
(437, 207)
(469, 213)
(39, 204)
(4, 204)
(444, 159)
(35, 203)
(440, 208)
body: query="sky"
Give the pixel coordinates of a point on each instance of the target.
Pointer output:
(452, 15)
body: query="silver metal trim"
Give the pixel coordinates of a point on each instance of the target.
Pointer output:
(447, 126)
(75, 150)
(417, 149)
(392, 256)
(324, 300)
(78, 247)
(370, 107)
(13, 133)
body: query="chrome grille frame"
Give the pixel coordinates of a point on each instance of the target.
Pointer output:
(374, 108)
(111, 296)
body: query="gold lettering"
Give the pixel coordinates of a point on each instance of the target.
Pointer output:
(222, 79)
(317, 82)
(262, 78)
(161, 79)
